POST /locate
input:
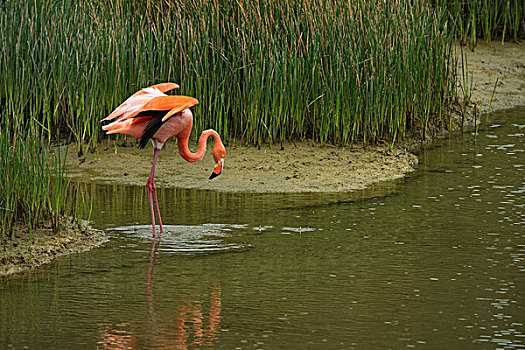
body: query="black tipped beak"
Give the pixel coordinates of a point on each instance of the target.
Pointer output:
(213, 175)
(218, 169)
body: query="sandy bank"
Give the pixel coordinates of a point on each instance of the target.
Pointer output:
(298, 167)
(18, 254)
(496, 61)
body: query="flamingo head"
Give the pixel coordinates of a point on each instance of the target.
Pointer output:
(219, 152)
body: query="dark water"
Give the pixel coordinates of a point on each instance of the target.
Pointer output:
(436, 263)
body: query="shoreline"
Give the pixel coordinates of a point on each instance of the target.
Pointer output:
(296, 168)
(300, 167)
(18, 254)
(487, 63)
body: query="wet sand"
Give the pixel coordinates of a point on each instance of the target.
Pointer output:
(298, 167)
(496, 61)
(19, 254)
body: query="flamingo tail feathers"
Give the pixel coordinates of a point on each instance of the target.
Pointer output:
(115, 127)
(152, 127)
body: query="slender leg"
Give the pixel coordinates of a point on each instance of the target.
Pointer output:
(150, 185)
(152, 214)
(157, 205)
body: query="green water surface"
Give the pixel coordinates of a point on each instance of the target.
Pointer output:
(437, 262)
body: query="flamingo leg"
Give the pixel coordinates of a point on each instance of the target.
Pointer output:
(158, 211)
(150, 185)
(152, 214)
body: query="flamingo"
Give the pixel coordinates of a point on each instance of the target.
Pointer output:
(150, 114)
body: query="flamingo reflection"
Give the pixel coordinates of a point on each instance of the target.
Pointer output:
(115, 337)
(187, 330)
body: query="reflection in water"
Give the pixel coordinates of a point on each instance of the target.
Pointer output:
(115, 337)
(437, 264)
(189, 325)
(153, 259)
(186, 330)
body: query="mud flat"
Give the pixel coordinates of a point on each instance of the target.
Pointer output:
(19, 253)
(297, 167)
(504, 63)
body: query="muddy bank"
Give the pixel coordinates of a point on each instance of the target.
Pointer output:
(298, 167)
(496, 61)
(19, 254)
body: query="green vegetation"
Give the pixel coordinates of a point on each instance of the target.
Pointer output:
(488, 19)
(32, 186)
(264, 71)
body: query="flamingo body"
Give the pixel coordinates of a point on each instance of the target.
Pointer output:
(136, 127)
(150, 114)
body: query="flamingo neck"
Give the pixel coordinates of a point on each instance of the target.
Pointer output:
(195, 157)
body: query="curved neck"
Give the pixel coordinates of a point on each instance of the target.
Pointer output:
(195, 157)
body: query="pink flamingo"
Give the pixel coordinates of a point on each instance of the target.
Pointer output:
(150, 114)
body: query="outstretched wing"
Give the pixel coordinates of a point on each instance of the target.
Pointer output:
(158, 110)
(136, 101)
(163, 87)
(172, 104)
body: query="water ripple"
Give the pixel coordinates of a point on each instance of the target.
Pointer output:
(185, 239)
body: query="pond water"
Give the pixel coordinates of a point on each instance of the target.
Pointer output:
(435, 260)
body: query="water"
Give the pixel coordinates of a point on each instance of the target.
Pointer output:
(436, 263)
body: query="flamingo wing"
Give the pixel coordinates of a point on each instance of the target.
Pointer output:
(171, 104)
(136, 101)
(163, 87)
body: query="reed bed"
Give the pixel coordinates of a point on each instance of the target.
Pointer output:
(33, 189)
(486, 19)
(264, 71)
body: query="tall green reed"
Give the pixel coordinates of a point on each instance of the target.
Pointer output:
(264, 71)
(487, 19)
(33, 189)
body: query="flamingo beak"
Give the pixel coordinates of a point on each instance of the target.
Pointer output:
(218, 169)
